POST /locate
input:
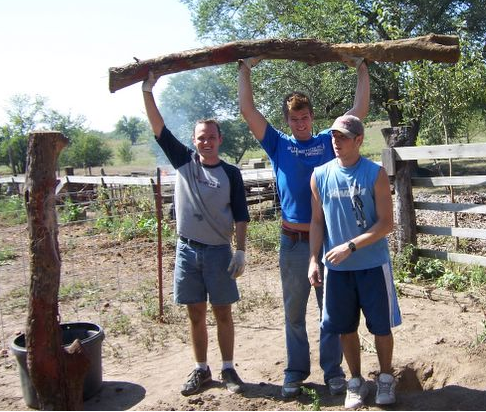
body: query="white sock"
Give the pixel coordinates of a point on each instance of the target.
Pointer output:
(227, 365)
(202, 365)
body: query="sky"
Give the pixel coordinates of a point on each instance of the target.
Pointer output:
(62, 50)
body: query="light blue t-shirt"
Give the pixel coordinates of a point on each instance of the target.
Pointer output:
(348, 203)
(293, 162)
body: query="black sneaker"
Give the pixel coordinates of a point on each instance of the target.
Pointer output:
(232, 381)
(197, 378)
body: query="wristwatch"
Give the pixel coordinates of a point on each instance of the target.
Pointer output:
(352, 246)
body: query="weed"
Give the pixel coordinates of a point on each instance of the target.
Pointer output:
(17, 298)
(90, 291)
(481, 337)
(316, 401)
(265, 234)
(6, 255)
(12, 210)
(403, 266)
(120, 324)
(429, 269)
(71, 212)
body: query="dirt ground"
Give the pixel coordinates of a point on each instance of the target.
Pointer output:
(438, 361)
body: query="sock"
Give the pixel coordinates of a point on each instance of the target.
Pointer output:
(227, 365)
(202, 365)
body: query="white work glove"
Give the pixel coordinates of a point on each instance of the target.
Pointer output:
(149, 83)
(249, 62)
(237, 264)
(352, 61)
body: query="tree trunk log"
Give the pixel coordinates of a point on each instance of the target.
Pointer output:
(438, 48)
(48, 363)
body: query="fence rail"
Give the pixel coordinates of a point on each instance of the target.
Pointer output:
(397, 162)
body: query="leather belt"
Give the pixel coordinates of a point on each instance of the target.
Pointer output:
(296, 235)
(192, 243)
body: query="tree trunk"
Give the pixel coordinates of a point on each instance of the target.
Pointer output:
(55, 375)
(439, 48)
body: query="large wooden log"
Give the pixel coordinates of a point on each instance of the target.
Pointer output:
(438, 48)
(56, 373)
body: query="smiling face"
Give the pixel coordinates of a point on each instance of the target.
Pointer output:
(300, 123)
(207, 140)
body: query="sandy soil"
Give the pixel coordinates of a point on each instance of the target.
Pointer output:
(439, 360)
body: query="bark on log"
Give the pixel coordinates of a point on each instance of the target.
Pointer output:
(48, 363)
(438, 48)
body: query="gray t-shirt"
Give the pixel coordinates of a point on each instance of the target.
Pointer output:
(208, 199)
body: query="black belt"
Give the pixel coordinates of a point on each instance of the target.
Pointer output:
(192, 243)
(297, 235)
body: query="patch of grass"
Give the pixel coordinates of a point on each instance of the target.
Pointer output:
(17, 298)
(6, 255)
(265, 234)
(120, 323)
(12, 210)
(88, 291)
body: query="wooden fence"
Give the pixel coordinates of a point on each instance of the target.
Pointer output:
(398, 162)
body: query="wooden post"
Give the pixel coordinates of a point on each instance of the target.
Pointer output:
(56, 375)
(405, 223)
(156, 188)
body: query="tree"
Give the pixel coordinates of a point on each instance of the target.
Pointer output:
(339, 21)
(26, 114)
(125, 152)
(131, 127)
(204, 94)
(87, 150)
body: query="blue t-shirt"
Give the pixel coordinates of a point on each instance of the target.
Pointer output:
(293, 162)
(348, 203)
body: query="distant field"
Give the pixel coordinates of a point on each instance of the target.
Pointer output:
(144, 161)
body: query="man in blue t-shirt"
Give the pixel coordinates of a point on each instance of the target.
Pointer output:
(352, 212)
(210, 204)
(294, 158)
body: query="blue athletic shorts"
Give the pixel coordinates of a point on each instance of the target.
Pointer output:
(346, 293)
(202, 271)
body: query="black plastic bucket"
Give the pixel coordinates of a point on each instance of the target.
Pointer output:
(91, 337)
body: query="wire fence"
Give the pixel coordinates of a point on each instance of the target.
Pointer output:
(109, 249)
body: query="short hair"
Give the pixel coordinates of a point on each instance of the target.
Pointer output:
(207, 121)
(296, 101)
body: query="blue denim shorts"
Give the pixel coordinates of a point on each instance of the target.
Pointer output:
(201, 272)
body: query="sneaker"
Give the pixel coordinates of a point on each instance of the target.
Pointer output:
(197, 378)
(356, 393)
(337, 385)
(385, 389)
(232, 381)
(291, 389)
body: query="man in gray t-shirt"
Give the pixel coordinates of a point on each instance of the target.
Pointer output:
(210, 205)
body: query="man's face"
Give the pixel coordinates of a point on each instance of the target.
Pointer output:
(207, 141)
(300, 123)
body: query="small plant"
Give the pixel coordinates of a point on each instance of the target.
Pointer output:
(265, 234)
(6, 255)
(403, 266)
(12, 210)
(481, 337)
(429, 269)
(120, 324)
(458, 282)
(71, 212)
(316, 401)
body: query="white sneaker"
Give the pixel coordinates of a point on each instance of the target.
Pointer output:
(356, 393)
(385, 389)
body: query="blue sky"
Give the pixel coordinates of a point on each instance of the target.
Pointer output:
(62, 50)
